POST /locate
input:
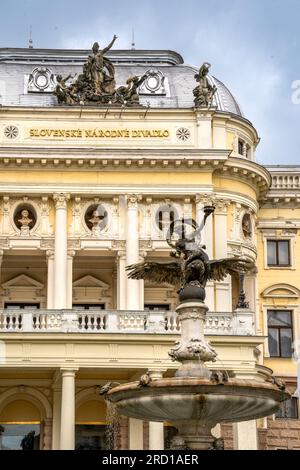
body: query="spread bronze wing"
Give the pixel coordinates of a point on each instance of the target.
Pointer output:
(217, 270)
(159, 273)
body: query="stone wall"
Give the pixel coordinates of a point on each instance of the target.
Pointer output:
(283, 434)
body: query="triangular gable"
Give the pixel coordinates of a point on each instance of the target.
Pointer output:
(90, 281)
(22, 280)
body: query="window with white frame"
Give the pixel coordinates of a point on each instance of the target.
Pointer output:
(280, 333)
(278, 253)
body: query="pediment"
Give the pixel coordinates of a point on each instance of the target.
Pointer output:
(90, 281)
(22, 280)
(281, 291)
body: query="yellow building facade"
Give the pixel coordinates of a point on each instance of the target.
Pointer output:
(86, 191)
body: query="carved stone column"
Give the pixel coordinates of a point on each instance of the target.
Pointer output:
(132, 251)
(71, 254)
(223, 288)
(148, 218)
(6, 227)
(156, 430)
(45, 210)
(56, 417)
(67, 427)
(60, 251)
(50, 278)
(121, 280)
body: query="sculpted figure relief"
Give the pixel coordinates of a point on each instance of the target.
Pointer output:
(96, 84)
(204, 92)
(25, 219)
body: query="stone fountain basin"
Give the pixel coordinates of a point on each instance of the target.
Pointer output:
(184, 398)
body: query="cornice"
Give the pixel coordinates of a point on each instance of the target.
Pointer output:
(245, 170)
(283, 198)
(215, 161)
(110, 159)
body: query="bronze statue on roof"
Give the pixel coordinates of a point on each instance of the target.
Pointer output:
(96, 84)
(204, 92)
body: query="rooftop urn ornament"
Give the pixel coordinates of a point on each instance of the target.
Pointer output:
(204, 92)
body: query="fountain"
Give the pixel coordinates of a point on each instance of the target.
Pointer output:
(196, 399)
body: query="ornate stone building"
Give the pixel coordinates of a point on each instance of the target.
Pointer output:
(87, 190)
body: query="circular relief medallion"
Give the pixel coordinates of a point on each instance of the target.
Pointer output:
(183, 134)
(11, 132)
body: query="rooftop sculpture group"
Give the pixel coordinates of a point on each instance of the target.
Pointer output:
(96, 84)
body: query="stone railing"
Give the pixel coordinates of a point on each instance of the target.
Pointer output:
(239, 322)
(285, 181)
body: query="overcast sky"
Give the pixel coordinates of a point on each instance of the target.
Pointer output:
(253, 46)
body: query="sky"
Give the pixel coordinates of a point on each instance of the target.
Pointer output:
(253, 46)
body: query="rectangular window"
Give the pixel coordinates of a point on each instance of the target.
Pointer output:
(89, 306)
(278, 252)
(288, 409)
(21, 305)
(19, 436)
(280, 333)
(156, 307)
(92, 437)
(241, 147)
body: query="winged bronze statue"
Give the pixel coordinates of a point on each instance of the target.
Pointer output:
(192, 266)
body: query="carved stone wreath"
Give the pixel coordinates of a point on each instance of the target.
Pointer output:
(183, 134)
(11, 132)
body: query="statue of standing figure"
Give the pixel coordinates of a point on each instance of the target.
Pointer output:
(97, 68)
(204, 92)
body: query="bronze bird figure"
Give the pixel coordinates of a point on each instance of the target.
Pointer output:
(191, 267)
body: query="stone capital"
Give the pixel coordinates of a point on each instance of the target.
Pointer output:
(71, 254)
(68, 372)
(49, 254)
(221, 206)
(133, 200)
(205, 199)
(61, 200)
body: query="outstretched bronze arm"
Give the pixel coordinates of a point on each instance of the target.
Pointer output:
(110, 45)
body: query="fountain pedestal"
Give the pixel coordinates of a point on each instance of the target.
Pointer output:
(195, 400)
(192, 350)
